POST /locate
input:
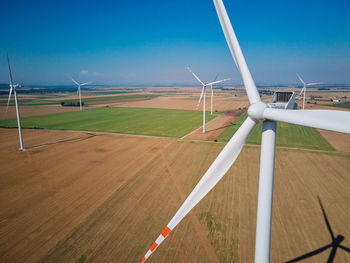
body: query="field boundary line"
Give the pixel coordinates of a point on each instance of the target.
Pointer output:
(277, 147)
(107, 133)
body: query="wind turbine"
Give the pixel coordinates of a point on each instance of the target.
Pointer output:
(14, 87)
(212, 96)
(258, 111)
(304, 88)
(79, 90)
(335, 244)
(203, 93)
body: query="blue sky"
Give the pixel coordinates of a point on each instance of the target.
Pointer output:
(151, 42)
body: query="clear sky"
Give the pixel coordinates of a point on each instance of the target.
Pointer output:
(151, 41)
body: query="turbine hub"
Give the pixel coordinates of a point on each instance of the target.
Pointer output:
(256, 110)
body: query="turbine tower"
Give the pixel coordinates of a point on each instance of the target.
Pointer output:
(14, 87)
(303, 90)
(212, 96)
(203, 93)
(79, 90)
(268, 114)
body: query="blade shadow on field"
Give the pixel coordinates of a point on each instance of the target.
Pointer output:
(335, 244)
(69, 139)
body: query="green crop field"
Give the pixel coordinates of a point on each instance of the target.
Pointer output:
(112, 99)
(288, 135)
(340, 105)
(156, 122)
(87, 101)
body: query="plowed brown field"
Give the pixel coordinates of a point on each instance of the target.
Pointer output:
(106, 198)
(188, 102)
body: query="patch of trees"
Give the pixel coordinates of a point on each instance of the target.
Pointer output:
(71, 103)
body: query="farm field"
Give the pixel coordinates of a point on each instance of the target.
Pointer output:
(215, 127)
(288, 135)
(106, 198)
(222, 102)
(155, 122)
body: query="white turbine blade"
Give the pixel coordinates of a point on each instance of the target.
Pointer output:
(331, 120)
(236, 52)
(201, 96)
(218, 81)
(213, 175)
(301, 79)
(301, 92)
(10, 72)
(11, 81)
(75, 81)
(314, 83)
(195, 76)
(8, 101)
(86, 83)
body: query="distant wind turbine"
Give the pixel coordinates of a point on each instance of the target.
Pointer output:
(79, 90)
(203, 93)
(14, 87)
(304, 88)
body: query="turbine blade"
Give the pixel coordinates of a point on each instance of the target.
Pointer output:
(213, 175)
(195, 76)
(345, 248)
(302, 90)
(86, 83)
(218, 81)
(331, 120)
(310, 254)
(236, 52)
(301, 79)
(8, 101)
(10, 72)
(75, 81)
(200, 97)
(326, 219)
(314, 83)
(332, 255)
(216, 77)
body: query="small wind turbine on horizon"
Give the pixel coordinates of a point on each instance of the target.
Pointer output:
(303, 90)
(79, 89)
(13, 88)
(203, 93)
(279, 109)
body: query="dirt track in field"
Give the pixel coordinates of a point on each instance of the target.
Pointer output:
(215, 127)
(108, 197)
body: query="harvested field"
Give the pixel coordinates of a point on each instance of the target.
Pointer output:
(340, 141)
(55, 188)
(221, 103)
(215, 127)
(107, 198)
(27, 111)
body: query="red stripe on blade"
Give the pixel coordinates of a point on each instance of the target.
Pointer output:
(153, 247)
(166, 231)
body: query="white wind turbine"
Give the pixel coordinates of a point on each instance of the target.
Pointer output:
(258, 111)
(79, 90)
(303, 90)
(14, 87)
(203, 94)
